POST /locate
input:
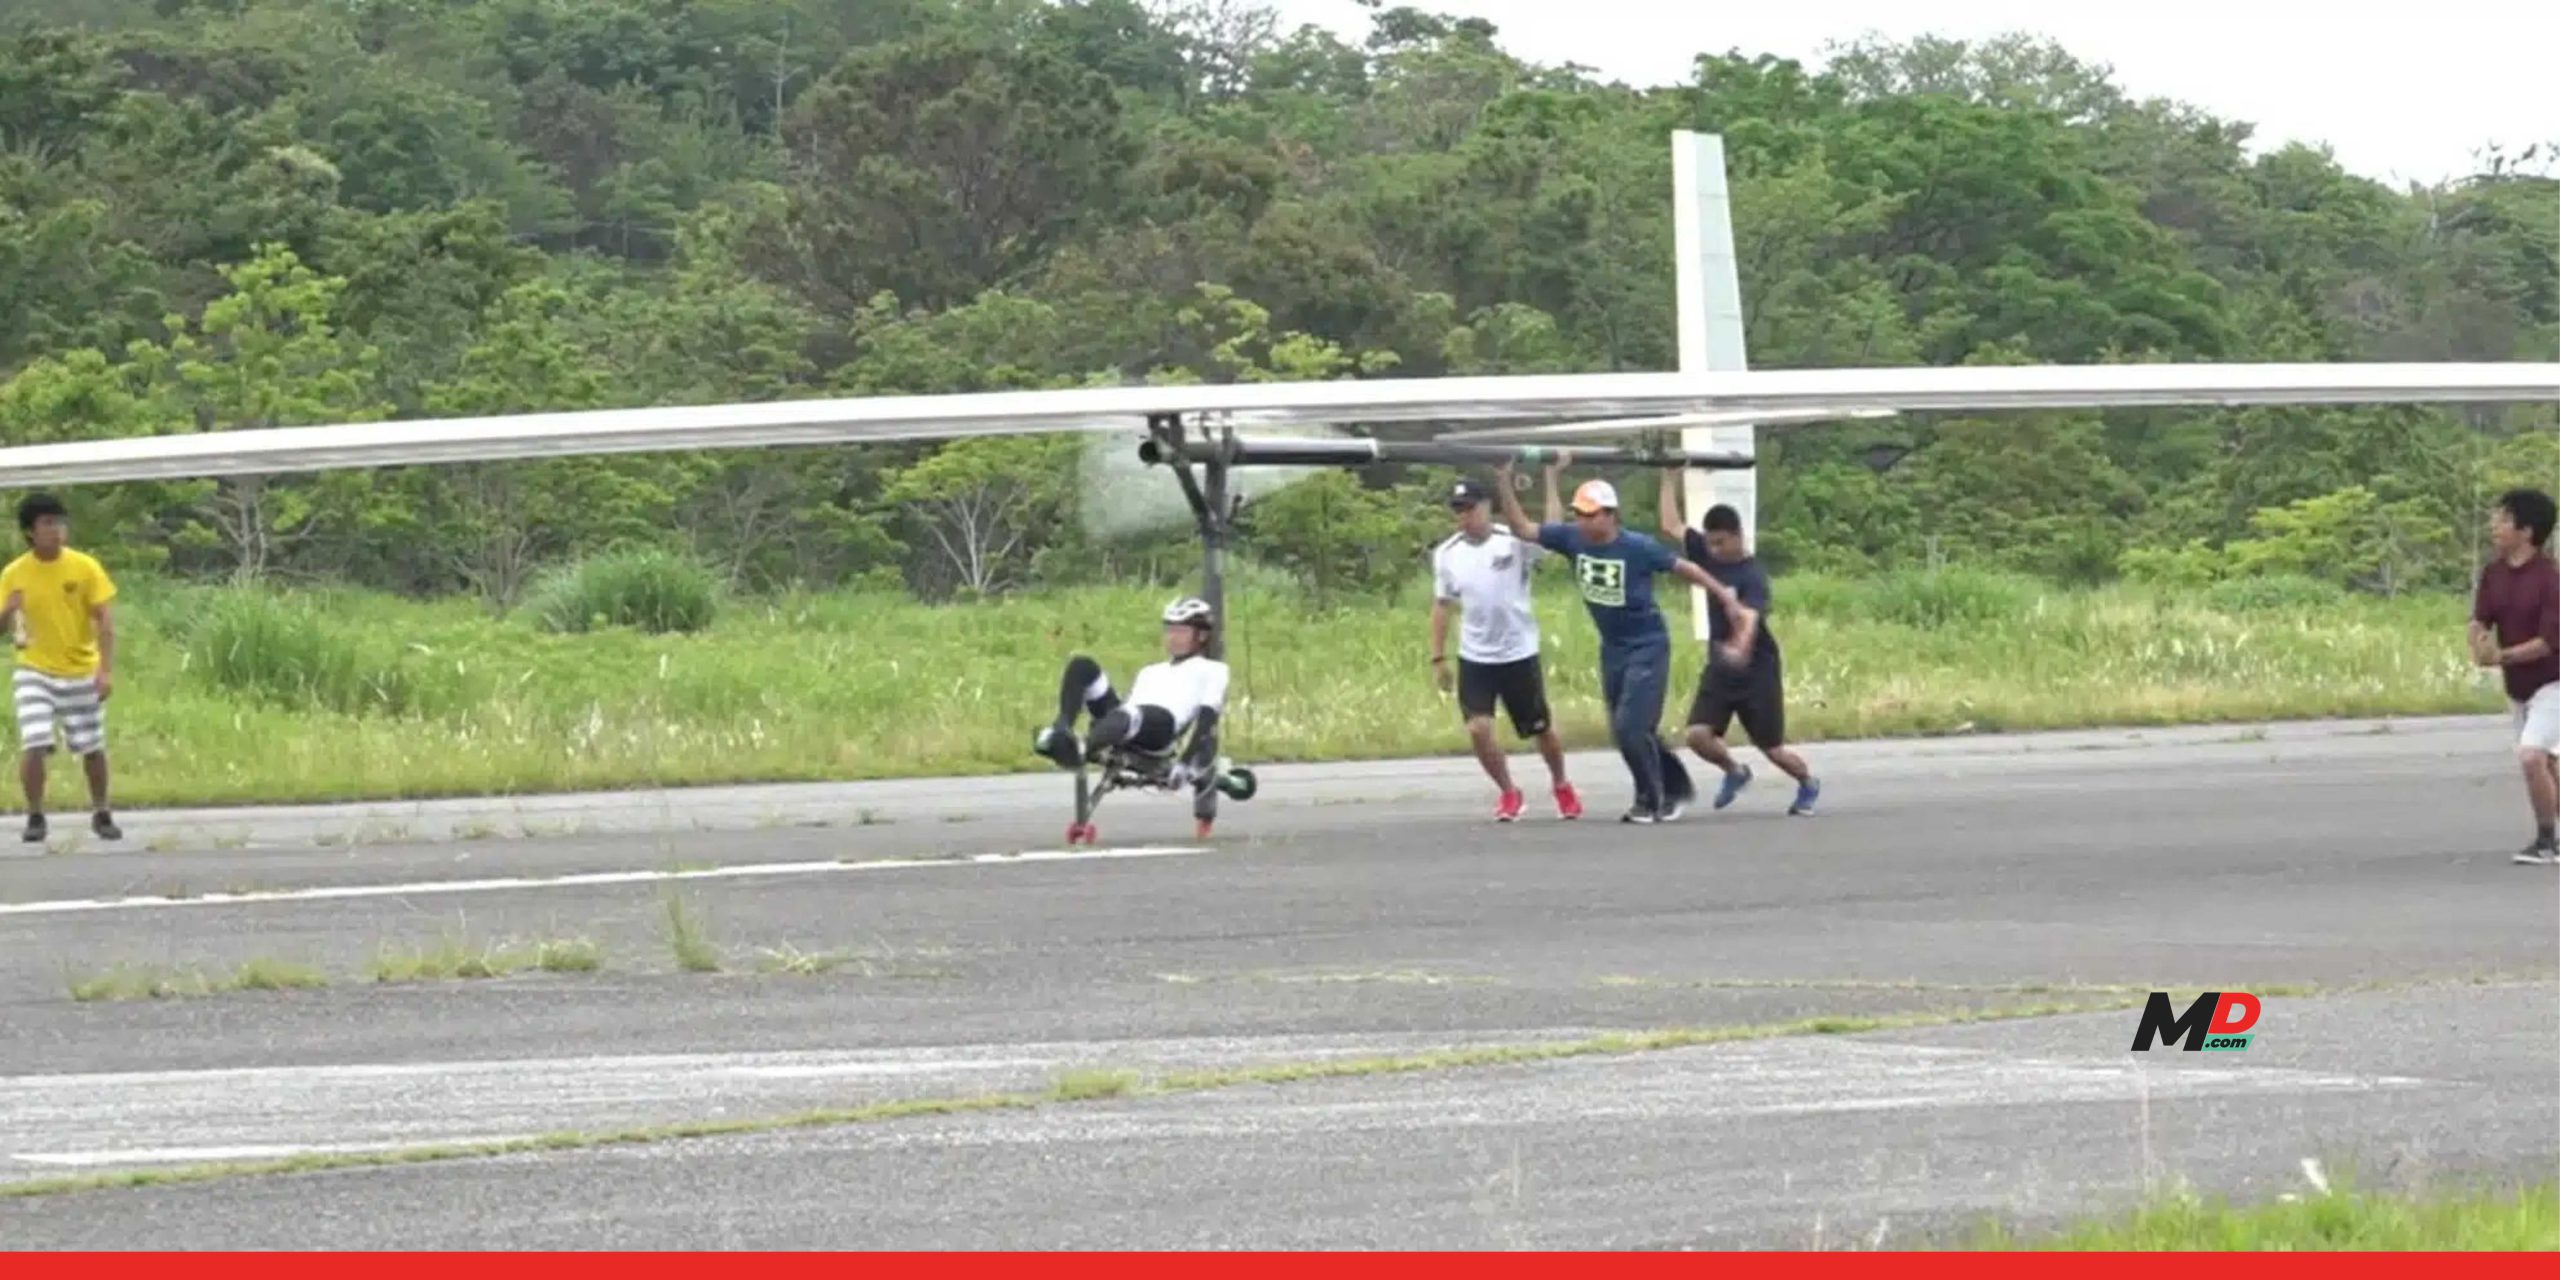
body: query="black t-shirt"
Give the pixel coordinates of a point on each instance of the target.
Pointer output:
(1745, 579)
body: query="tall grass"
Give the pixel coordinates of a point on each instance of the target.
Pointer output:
(287, 652)
(689, 937)
(651, 590)
(1939, 599)
(237, 696)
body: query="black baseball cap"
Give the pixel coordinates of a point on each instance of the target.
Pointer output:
(1467, 493)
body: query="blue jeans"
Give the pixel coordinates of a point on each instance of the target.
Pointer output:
(1632, 682)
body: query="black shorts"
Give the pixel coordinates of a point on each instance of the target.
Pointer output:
(1145, 730)
(1521, 686)
(1758, 700)
(1156, 734)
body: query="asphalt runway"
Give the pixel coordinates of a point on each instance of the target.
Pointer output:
(2001, 904)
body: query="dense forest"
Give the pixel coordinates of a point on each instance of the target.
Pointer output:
(225, 214)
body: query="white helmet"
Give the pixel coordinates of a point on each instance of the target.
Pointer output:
(1191, 610)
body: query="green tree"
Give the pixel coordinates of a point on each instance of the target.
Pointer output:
(268, 354)
(493, 525)
(1344, 539)
(978, 508)
(519, 205)
(937, 167)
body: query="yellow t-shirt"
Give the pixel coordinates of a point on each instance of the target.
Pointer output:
(56, 597)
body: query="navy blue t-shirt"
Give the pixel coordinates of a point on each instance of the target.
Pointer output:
(1750, 583)
(1616, 580)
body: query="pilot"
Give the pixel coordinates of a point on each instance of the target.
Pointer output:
(1186, 691)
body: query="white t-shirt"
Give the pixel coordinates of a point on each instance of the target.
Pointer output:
(1182, 688)
(1489, 582)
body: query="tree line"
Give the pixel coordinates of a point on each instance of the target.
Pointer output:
(227, 214)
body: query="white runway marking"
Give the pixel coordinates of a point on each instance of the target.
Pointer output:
(422, 887)
(160, 1117)
(215, 1155)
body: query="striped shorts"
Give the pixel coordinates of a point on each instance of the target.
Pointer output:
(49, 705)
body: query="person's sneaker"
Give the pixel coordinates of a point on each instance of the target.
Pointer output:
(2541, 853)
(1568, 802)
(1673, 809)
(1734, 782)
(1639, 815)
(104, 824)
(1507, 809)
(35, 829)
(1057, 744)
(1807, 793)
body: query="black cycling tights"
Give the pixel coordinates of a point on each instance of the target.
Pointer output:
(1085, 688)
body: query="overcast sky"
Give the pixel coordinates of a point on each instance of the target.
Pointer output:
(2409, 97)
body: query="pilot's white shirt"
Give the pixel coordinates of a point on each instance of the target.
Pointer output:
(1182, 688)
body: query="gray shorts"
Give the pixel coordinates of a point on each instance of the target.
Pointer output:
(2538, 720)
(59, 711)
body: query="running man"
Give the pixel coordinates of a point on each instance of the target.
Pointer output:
(1186, 691)
(55, 601)
(1484, 571)
(2515, 625)
(1754, 692)
(1615, 568)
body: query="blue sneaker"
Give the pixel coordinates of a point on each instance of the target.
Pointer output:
(1806, 793)
(1733, 785)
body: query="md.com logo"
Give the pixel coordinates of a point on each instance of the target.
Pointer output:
(2217, 1020)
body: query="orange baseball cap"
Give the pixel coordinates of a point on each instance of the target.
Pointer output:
(1595, 496)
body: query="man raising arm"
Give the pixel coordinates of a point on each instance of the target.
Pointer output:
(1752, 689)
(1614, 569)
(1517, 518)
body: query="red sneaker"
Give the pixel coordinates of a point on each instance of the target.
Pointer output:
(1568, 803)
(1508, 808)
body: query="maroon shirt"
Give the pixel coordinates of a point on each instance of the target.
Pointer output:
(2518, 603)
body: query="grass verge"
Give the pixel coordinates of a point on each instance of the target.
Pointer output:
(2516, 1219)
(1069, 1088)
(247, 697)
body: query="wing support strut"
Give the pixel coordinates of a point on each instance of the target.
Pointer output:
(1213, 506)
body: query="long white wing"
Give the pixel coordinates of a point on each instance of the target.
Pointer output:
(1604, 427)
(1546, 398)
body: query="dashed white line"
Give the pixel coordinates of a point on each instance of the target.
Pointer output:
(423, 887)
(208, 1155)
